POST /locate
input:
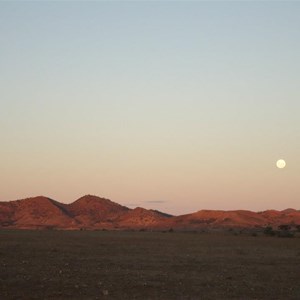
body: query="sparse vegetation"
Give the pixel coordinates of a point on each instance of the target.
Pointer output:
(285, 234)
(269, 231)
(284, 227)
(285, 231)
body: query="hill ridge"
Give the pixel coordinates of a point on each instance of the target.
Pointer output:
(93, 212)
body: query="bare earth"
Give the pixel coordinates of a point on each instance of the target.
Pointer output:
(147, 265)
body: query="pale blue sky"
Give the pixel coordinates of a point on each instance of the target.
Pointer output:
(190, 103)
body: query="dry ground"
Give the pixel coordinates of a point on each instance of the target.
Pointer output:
(147, 265)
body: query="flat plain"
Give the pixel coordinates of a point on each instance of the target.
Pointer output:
(147, 265)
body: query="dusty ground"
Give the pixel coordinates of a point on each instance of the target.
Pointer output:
(147, 265)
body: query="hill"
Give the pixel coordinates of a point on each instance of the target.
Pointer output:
(92, 212)
(34, 213)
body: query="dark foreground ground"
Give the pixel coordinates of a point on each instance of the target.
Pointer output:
(147, 265)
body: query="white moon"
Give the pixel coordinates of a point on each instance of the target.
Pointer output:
(280, 163)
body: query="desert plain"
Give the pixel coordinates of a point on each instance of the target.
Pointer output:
(102, 264)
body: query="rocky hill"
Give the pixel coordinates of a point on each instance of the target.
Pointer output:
(92, 212)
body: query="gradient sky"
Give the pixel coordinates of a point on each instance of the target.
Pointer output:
(178, 106)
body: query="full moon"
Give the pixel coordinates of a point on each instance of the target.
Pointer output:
(280, 163)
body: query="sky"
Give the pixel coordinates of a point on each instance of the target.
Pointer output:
(177, 106)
